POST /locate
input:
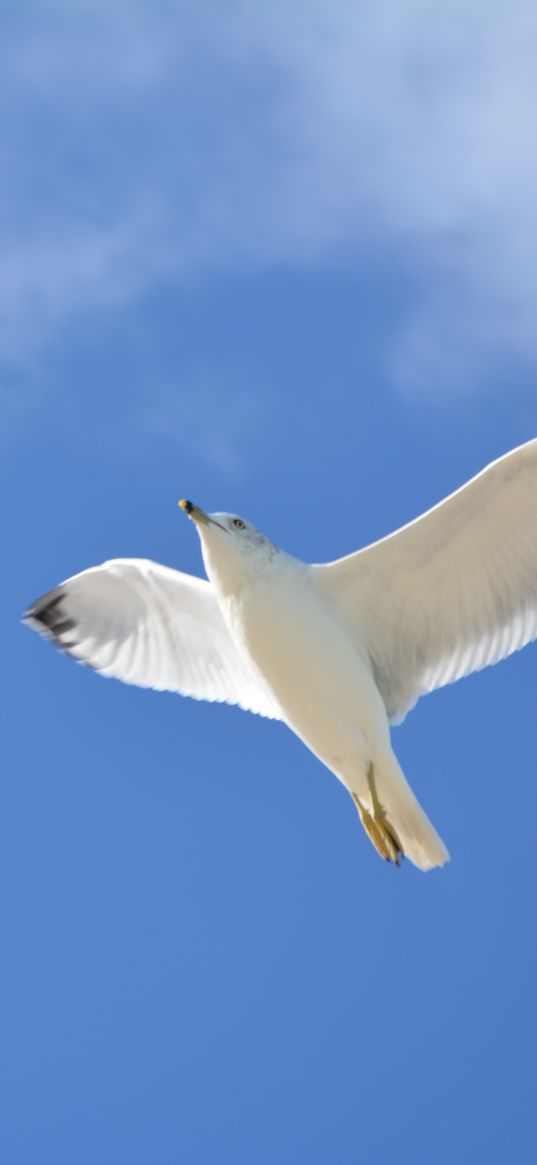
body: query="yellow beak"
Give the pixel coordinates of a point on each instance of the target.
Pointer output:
(199, 515)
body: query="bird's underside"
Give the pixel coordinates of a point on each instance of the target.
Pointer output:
(446, 595)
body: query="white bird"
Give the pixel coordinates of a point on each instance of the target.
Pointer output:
(336, 651)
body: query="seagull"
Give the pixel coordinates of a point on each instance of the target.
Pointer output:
(338, 651)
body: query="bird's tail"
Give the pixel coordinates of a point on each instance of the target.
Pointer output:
(419, 840)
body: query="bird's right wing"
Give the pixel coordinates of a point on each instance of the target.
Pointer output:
(152, 626)
(451, 592)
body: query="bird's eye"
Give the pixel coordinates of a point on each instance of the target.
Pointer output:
(239, 524)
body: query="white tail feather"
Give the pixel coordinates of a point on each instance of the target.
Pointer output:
(419, 839)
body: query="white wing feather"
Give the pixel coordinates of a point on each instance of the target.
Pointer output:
(152, 626)
(451, 592)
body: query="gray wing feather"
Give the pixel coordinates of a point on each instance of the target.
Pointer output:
(152, 626)
(451, 592)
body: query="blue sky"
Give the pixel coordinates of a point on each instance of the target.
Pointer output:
(281, 259)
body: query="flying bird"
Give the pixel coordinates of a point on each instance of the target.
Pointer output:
(337, 651)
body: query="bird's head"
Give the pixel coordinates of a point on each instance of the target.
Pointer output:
(233, 550)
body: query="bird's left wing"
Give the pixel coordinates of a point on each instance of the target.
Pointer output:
(152, 626)
(451, 592)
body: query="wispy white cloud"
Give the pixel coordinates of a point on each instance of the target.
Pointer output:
(155, 141)
(204, 417)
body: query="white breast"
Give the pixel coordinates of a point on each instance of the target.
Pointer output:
(309, 662)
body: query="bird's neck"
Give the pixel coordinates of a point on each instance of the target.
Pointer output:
(228, 574)
(234, 574)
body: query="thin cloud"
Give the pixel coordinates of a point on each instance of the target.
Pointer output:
(157, 142)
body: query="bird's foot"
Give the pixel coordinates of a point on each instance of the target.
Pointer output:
(378, 828)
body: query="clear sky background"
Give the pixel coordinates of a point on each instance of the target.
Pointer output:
(281, 259)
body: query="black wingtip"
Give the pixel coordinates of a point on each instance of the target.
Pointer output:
(47, 616)
(44, 610)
